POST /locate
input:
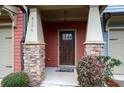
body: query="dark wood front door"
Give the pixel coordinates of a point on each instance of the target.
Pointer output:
(67, 47)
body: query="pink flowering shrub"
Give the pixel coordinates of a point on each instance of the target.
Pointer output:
(92, 70)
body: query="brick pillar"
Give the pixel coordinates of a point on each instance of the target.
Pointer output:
(34, 65)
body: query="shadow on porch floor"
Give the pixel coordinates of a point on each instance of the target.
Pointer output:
(59, 79)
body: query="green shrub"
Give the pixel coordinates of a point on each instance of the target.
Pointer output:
(110, 64)
(19, 79)
(92, 70)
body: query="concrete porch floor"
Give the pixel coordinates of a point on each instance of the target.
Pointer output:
(59, 79)
(67, 79)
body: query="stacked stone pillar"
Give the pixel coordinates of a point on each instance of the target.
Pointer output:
(93, 49)
(34, 65)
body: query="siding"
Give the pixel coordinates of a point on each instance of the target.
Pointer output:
(110, 9)
(105, 38)
(51, 39)
(18, 33)
(114, 8)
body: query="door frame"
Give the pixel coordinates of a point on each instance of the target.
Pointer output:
(12, 29)
(58, 44)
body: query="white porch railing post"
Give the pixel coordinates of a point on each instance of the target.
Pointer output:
(34, 49)
(94, 39)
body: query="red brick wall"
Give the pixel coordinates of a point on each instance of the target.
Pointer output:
(18, 33)
(51, 35)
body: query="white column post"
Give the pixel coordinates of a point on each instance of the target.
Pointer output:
(34, 49)
(34, 33)
(94, 38)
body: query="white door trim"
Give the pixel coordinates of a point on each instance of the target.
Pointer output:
(75, 31)
(12, 29)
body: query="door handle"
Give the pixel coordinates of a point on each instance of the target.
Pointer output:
(8, 37)
(113, 39)
(8, 66)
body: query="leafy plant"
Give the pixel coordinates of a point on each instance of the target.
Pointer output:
(93, 70)
(110, 64)
(19, 79)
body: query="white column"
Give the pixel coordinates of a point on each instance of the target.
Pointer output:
(94, 38)
(34, 33)
(94, 30)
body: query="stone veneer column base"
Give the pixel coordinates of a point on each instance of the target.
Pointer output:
(93, 49)
(34, 65)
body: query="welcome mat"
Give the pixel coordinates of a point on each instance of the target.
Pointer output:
(65, 69)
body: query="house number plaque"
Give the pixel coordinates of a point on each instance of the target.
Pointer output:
(32, 24)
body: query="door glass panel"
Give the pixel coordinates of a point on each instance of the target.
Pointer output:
(67, 36)
(63, 37)
(70, 36)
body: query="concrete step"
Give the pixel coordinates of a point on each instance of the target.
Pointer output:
(56, 85)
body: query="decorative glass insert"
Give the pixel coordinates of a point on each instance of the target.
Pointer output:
(67, 36)
(63, 37)
(70, 36)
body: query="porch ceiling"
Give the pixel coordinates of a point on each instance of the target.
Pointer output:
(52, 13)
(73, 13)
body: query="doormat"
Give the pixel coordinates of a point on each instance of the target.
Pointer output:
(65, 69)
